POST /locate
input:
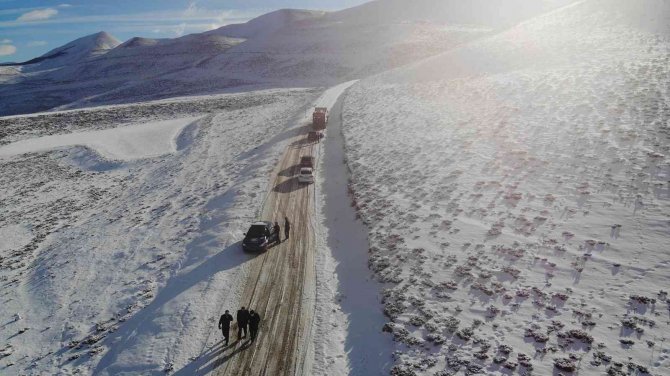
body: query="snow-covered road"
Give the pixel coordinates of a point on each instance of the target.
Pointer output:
(281, 285)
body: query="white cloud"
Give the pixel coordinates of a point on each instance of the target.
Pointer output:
(7, 49)
(168, 22)
(192, 8)
(37, 43)
(64, 5)
(179, 29)
(38, 15)
(5, 41)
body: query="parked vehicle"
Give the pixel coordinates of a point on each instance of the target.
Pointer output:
(320, 118)
(259, 237)
(306, 175)
(307, 161)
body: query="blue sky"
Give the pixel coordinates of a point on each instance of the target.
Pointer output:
(29, 28)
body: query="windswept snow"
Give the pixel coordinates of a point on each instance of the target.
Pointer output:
(127, 270)
(516, 190)
(128, 142)
(505, 182)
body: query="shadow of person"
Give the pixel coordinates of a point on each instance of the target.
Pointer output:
(222, 360)
(143, 320)
(210, 359)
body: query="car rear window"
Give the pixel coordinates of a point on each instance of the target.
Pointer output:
(256, 231)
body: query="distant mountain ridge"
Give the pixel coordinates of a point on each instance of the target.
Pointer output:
(284, 48)
(79, 49)
(268, 23)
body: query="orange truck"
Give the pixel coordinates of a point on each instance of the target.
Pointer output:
(320, 118)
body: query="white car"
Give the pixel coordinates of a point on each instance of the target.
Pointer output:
(306, 175)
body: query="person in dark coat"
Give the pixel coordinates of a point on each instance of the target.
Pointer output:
(287, 227)
(242, 322)
(277, 230)
(254, 322)
(224, 324)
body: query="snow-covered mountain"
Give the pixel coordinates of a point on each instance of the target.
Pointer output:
(511, 172)
(75, 52)
(282, 48)
(268, 23)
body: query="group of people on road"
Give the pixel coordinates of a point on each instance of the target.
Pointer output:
(248, 318)
(245, 319)
(287, 229)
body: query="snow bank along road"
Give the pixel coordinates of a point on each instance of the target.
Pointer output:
(281, 282)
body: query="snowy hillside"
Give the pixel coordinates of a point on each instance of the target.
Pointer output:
(285, 48)
(499, 178)
(123, 249)
(75, 52)
(516, 190)
(268, 23)
(489, 13)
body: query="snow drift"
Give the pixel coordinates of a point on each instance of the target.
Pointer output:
(128, 142)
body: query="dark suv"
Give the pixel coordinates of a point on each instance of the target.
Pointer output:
(259, 237)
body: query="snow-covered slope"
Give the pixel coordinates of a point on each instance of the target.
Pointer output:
(560, 38)
(123, 143)
(75, 52)
(491, 13)
(268, 23)
(279, 49)
(119, 265)
(516, 190)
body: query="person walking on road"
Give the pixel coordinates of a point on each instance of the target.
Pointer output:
(224, 325)
(287, 227)
(254, 322)
(277, 230)
(242, 322)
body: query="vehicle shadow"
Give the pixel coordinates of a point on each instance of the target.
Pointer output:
(302, 142)
(257, 151)
(289, 185)
(291, 171)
